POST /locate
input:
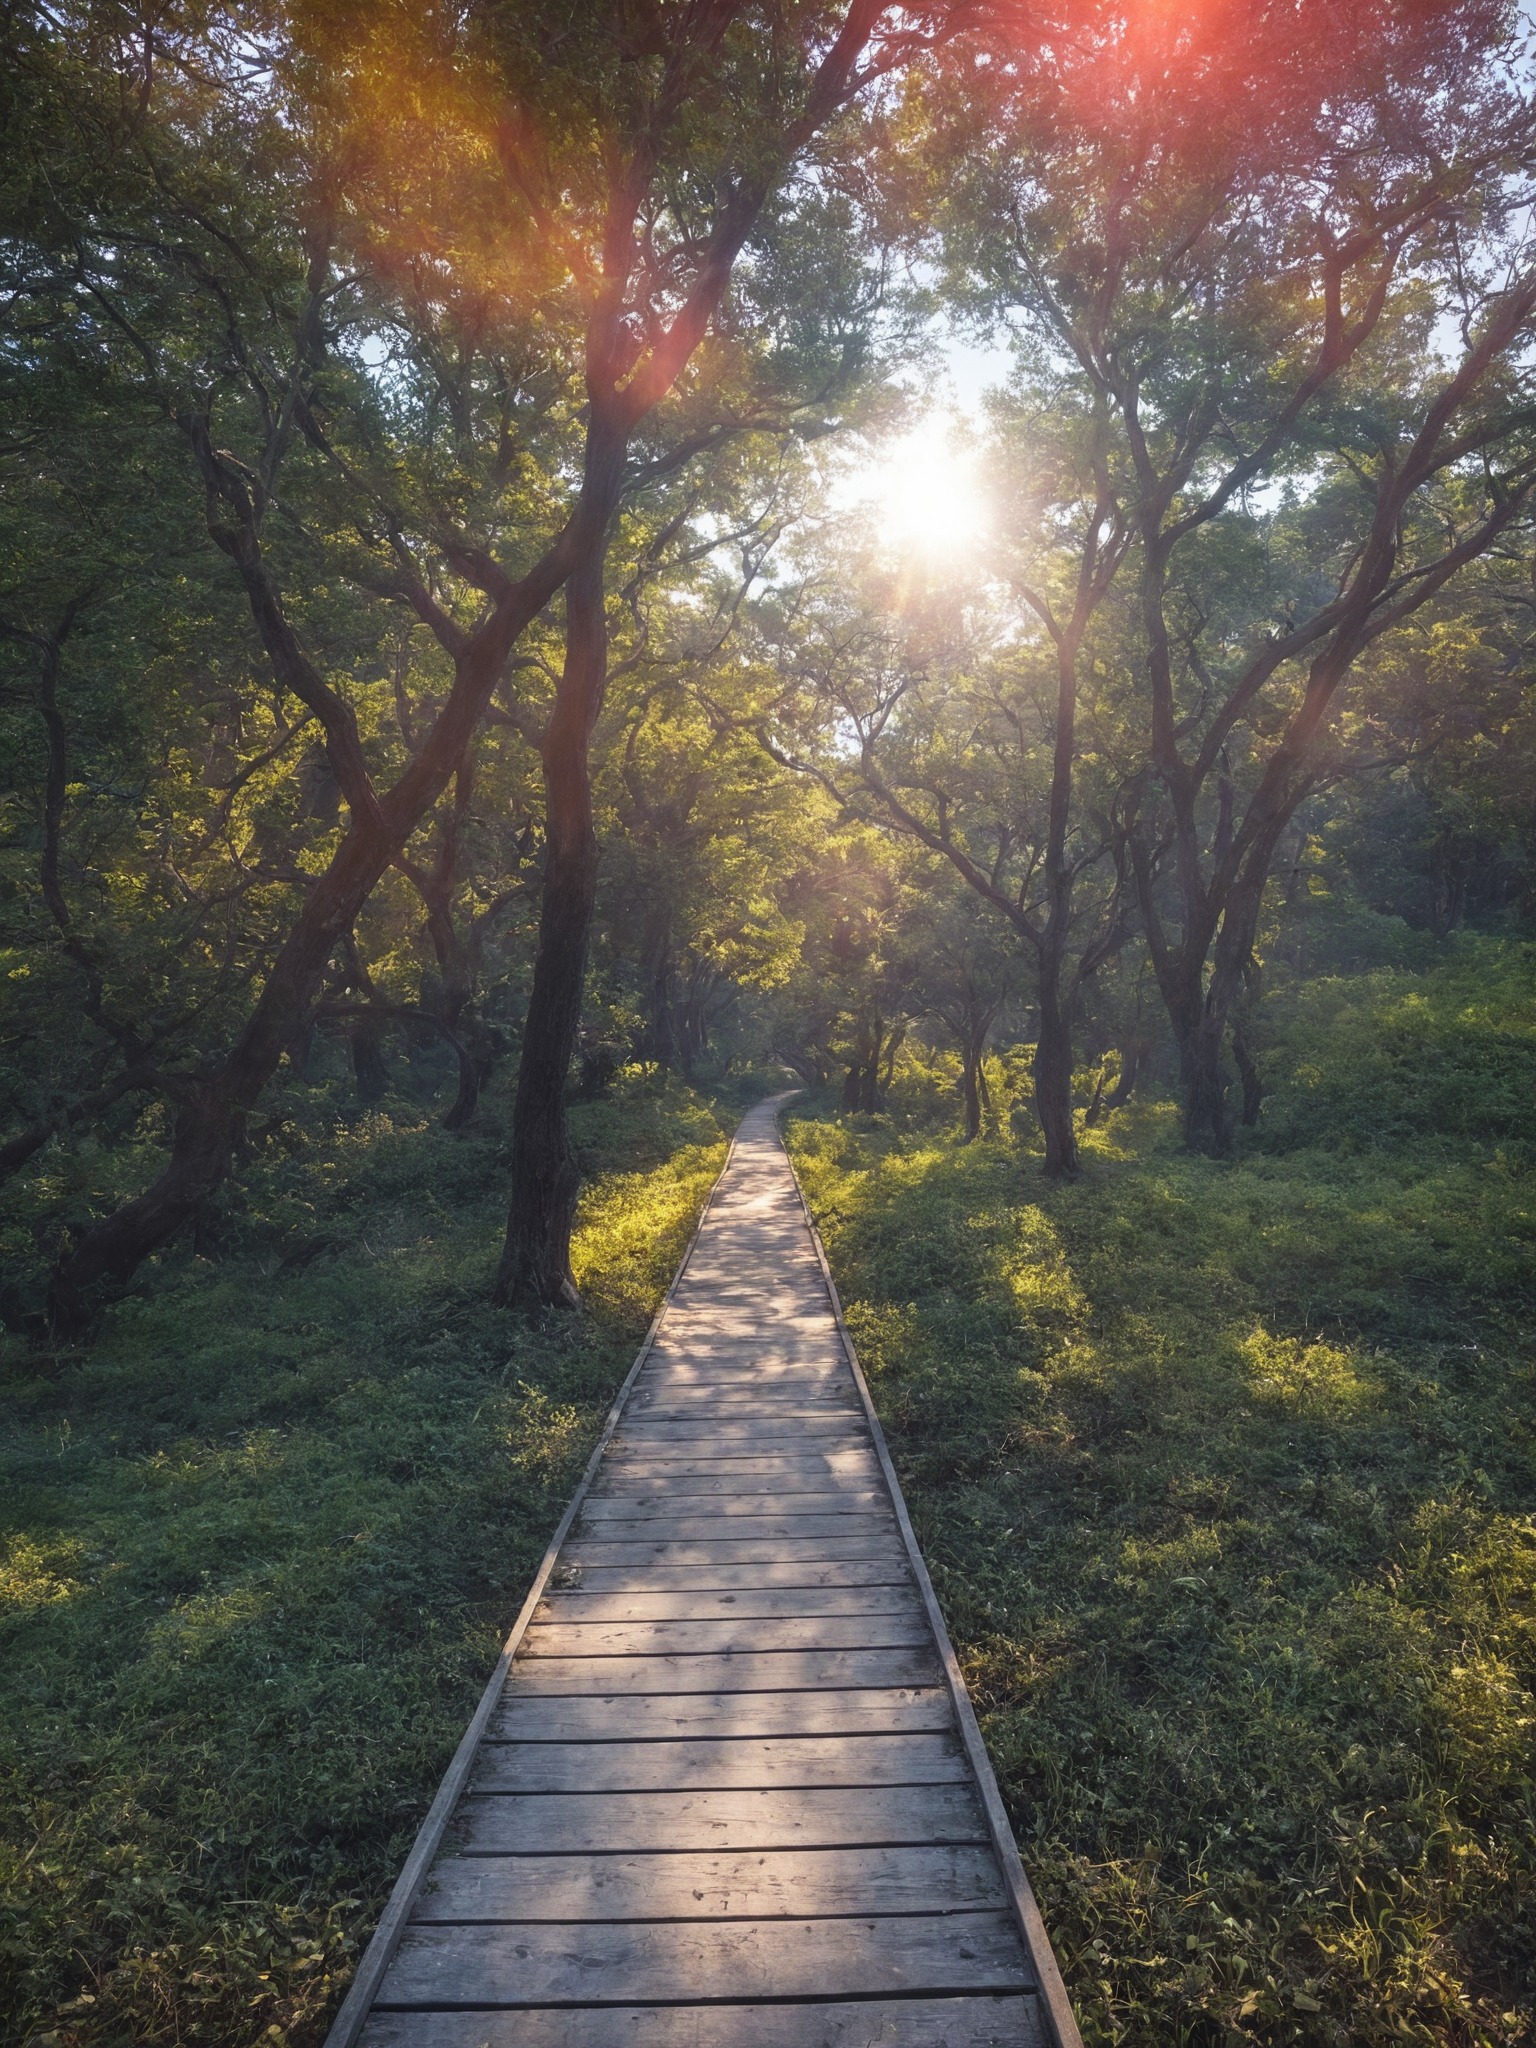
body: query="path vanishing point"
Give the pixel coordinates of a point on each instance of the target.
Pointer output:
(725, 1789)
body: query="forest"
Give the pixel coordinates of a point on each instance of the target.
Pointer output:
(570, 565)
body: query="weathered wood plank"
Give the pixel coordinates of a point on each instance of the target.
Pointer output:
(988, 2022)
(716, 1525)
(623, 1504)
(776, 1883)
(718, 1637)
(632, 1553)
(704, 1604)
(890, 1570)
(729, 1363)
(843, 1427)
(871, 1710)
(662, 1452)
(530, 1964)
(809, 1817)
(841, 1474)
(828, 1397)
(755, 1365)
(751, 1671)
(720, 1764)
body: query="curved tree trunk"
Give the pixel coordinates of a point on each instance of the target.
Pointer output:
(536, 1257)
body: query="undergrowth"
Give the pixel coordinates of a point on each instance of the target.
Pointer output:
(1225, 1476)
(258, 1547)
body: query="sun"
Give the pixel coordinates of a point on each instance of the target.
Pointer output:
(925, 495)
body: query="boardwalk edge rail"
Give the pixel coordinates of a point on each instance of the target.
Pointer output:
(1037, 1942)
(392, 1923)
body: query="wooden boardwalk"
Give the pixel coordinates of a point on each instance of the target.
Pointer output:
(725, 1789)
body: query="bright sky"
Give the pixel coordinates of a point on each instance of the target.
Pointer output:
(922, 490)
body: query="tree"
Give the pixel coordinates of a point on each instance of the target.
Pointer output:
(539, 221)
(1232, 237)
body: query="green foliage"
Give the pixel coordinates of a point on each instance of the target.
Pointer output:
(1225, 1476)
(1374, 1060)
(259, 1546)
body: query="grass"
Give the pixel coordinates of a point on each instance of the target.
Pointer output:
(259, 1545)
(1225, 1475)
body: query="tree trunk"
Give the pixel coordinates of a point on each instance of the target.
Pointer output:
(1207, 1121)
(1248, 1074)
(1131, 1057)
(970, 1090)
(536, 1257)
(1053, 1089)
(370, 1075)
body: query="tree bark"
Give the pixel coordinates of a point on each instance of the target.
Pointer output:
(1053, 1087)
(536, 1256)
(370, 1074)
(970, 1091)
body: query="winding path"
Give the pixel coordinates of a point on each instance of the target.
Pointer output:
(725, 1789)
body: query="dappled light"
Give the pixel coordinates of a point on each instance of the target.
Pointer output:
(570, 572)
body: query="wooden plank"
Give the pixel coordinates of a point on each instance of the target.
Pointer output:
(805, 1817)
(840, 1425)
(826, 1398)
(890, 1570)
(718, 1525)
(529, 1964)
(813, 1349)
(705, 1603)
(631, 1553)
(727, 1637)
(700, 1885)
(661, 1454)
(756, 1364)
(842, 1474)
(869, 1710)
(768, 1671)
(988, 2022)
(925, 1759)
(680, 1461)
(626, 1505)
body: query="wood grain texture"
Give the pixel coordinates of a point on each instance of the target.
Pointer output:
(888, 1568)
(750, 1671)
(633, 1553)
(555, 1717)
(622, 1505)
(711, 1521)
(721, 1763)
(1007, 2022)
(763, 1885)
(530, 1963)
(818, 1816)
(855, 1468)
(581, 1605)
(730, 1636)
